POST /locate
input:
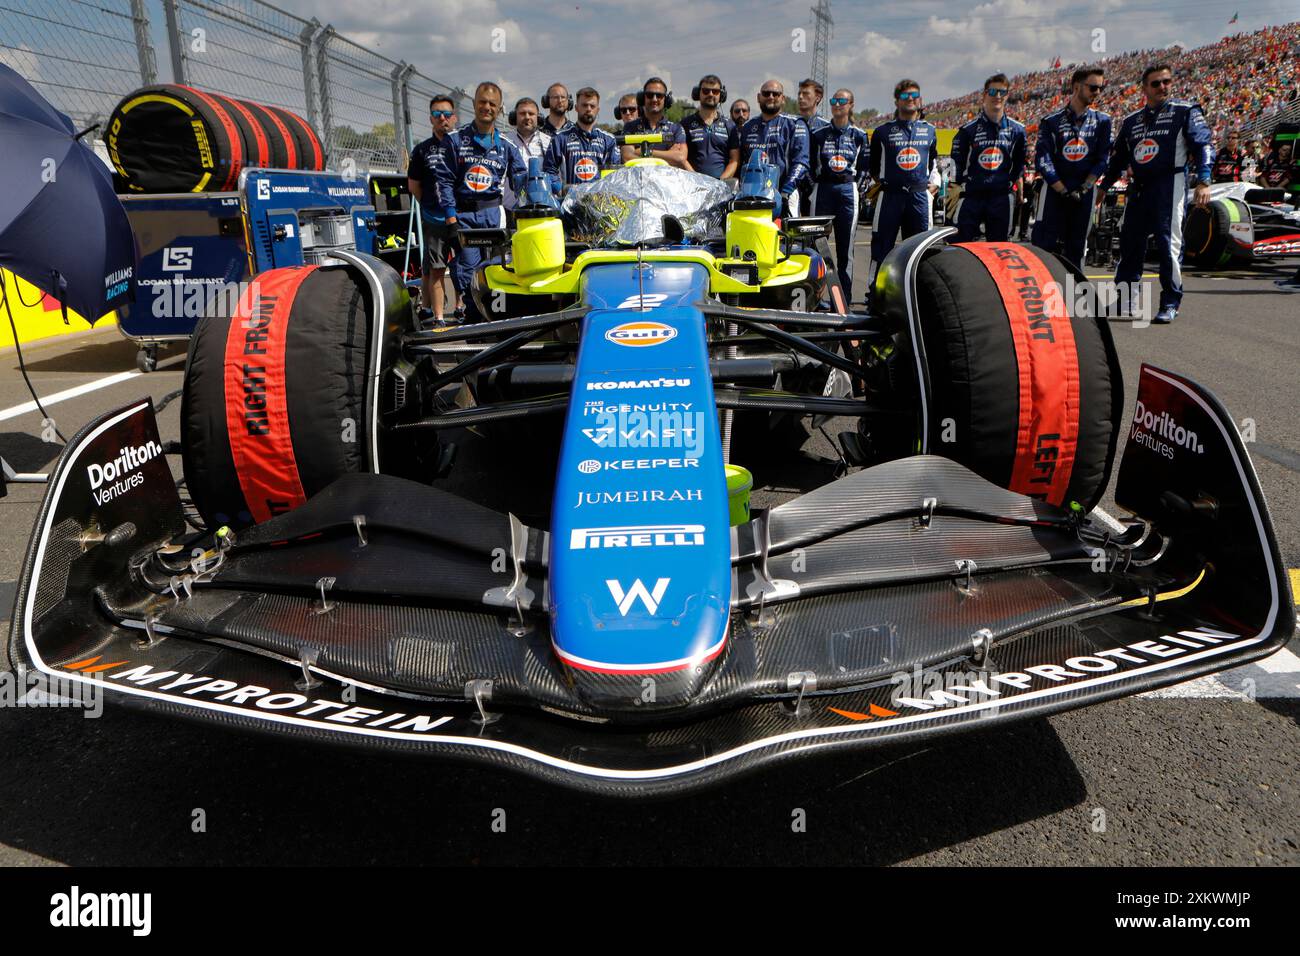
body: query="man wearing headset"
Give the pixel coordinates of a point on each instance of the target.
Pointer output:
(839, 156)
(627, 110)
(654, 99)
(709, 135)
(533, 142)
(557, 103)
(784, 141)
(579, 155)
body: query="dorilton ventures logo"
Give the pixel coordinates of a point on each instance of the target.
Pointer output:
(75, 909)
(122, 471)
(1150, 427)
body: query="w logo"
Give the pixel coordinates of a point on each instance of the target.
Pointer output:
(625, 599)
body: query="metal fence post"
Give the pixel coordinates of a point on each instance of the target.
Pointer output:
(172, 14)
(143, 44)
(323, 86)
(308, 80)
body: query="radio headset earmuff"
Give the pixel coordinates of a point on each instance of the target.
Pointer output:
(568, 99)
(695, 94)
(668, 97)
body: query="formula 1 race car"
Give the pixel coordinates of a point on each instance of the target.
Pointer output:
(652, 633)
(1243, 223)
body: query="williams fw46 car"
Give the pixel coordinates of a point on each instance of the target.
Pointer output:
(1243, 223)
(648, 632)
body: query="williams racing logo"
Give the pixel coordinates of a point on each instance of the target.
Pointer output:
(114, 478)
(641, 334)
(1160, 432)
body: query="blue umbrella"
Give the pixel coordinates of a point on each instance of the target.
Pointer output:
(62, 228)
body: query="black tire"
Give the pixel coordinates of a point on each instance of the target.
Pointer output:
(171, 138)
(301, 404)
(975, 382)
(1207, 240)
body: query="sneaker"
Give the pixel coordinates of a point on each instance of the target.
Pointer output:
(1166, 315)
(424, 315)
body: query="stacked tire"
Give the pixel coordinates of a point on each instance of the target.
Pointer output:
(171, 138)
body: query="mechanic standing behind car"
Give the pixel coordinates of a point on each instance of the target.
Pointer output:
(532, 141)
(653, 100)
(1228, 162)
(556, 102)
(1158, 143)
(579, 155)
(810, 97)
(783, 140)
(421, 181)
(989, 156)
(839, 156)
(710, 139)
(626, 111)
(476, 162)
(1071, 154)
(902, 155)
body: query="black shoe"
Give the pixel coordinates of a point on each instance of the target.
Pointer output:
(1166, 315)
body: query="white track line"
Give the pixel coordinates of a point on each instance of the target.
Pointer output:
(63, 396)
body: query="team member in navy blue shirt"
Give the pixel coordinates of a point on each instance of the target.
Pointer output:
(579, 155)
(423, 185)
(840, 152)
(989, 155)
(476, 161)
(1159, 144)
(783, 140)
(902, 156)
(1071, 155)
(653, 100)
(557, 104)
(810, 97)
(710, 137)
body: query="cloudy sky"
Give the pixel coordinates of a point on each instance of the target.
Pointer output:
(949, 45)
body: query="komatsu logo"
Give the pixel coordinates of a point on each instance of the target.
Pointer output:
(1150, 427)
(122, 471)
(638, 536)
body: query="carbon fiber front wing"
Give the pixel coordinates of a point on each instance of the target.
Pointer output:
(908, 600)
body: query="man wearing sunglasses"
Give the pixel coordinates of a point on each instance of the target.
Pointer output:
(1071, 154)
(783, 139)
(422, 182)
(626, 111)
(988, 155)
(475, 163)
(654, 99)
(1159, 144)
(710, 146)
(901, 159)
(839, 166)
(740, 112)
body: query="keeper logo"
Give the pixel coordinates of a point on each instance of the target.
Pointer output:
(1145, 151)
(1075, 150)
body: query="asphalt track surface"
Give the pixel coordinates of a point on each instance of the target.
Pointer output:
(1207, 774)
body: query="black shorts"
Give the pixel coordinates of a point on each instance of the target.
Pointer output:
(435, 245)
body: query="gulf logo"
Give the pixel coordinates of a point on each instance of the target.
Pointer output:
(837, 163)
(1146, 150)
(586, 169)
(641, 334)
(478, 178)
(991, 158)
(1075, 150)
(909, 158)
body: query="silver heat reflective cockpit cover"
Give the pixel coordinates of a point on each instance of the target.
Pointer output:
(627, 206)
